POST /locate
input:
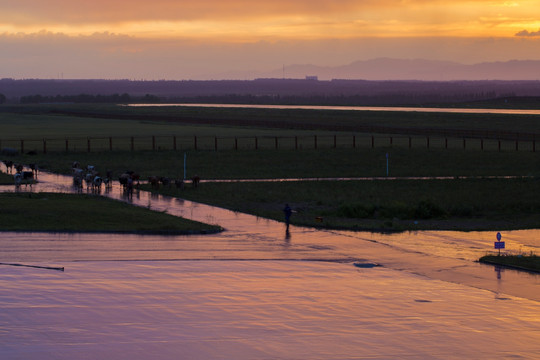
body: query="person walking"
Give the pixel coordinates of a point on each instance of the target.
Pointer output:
(287, 211)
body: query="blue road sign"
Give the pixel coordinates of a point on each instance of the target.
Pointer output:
(499, 236)
(499, 244)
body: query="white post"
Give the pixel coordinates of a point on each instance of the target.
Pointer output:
(185, 155)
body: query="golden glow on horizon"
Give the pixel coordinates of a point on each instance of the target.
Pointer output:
(419, 18)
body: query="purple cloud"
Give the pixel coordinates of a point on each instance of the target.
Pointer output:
(526, 33)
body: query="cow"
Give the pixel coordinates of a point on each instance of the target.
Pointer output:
(179, 183)
(123, 179)
(89, 178)
(78, 172)
(154, 181)
(135, 177)
(77, 181)
(108, 180)
(126, 180)
(195, 181)
(18, 179)
(129, 187)
(34, 169)
(78, 175)
(9, 165)
(165, 181)
(26, 177)
(96, 183)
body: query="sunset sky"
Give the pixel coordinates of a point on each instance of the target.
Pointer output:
(180, 39)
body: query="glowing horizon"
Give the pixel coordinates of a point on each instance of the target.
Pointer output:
(276, 20)
(290, 32)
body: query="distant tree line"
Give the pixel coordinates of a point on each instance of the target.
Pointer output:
(265, 91)
(87, 98)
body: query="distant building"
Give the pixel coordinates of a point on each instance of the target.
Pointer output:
(315, 78)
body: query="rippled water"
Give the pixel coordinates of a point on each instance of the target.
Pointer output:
(252, 292)
(254, 310)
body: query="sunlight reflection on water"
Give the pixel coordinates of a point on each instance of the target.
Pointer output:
(357, 108)
(254, 310)
(197, 297)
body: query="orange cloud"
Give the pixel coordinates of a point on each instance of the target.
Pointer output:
(526, 33)
(251, 20)
(103, 11)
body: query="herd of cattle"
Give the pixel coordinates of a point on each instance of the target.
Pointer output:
(94, 180)
(128, 179)
(21, 176)
(91, 176)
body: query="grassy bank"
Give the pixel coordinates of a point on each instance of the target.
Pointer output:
(298, 164)
(475, 204)
(525, 262)
(481, 204)
(382, 205)
(83, 213)
(258, 118)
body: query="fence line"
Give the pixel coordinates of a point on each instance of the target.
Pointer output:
(175, 142)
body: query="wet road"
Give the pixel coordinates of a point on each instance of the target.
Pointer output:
(252, 292)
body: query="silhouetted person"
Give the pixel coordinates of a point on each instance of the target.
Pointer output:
(287, 211)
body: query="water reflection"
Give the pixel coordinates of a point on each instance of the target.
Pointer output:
(125, 296)
(254, 310)
(359, 108)
(498, 269)
(459, 245)
(287, 236)
(444, 255)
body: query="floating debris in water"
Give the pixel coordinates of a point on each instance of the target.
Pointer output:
(35, 266)
(365, 265)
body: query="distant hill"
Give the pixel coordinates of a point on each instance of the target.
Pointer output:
(417, 69)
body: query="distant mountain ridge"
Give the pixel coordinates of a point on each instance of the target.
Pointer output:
(413, 69)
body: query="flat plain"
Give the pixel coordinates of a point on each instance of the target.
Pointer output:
(486, 185)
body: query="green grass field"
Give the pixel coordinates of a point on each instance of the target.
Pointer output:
(383, 205)
(387, 205)
(264, 118)
(83, 127)
(85, 213)
(320, 163)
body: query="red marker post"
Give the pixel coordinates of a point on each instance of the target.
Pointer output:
(499, 244)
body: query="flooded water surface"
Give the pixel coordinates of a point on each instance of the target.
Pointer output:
(254, 310)
(358, 108)
(255, 292)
